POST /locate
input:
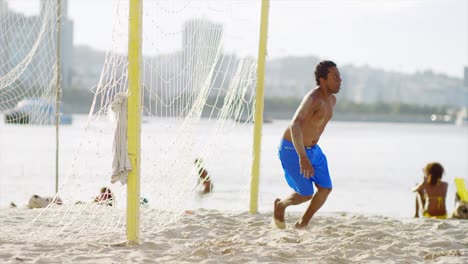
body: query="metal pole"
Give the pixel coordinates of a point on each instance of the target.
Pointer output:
(257, 137)
(57, 96)
(134, 120)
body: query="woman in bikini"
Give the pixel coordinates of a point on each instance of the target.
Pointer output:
(431, 192)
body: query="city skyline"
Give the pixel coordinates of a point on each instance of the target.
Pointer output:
(405, 36)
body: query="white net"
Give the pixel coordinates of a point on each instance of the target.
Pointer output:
(28, 69)
(198, 76)
(28, 91)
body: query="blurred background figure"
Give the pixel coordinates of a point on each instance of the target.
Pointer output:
(37, 201)
(204, 178)
(106, 197)
(461, 199)
(431, 193)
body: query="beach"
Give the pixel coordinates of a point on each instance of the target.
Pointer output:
(112, 122)
(211, 236)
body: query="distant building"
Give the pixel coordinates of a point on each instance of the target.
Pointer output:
(200, 35)
(3, 7)
(200, 43)
(19, 36)
(66, 42)
(466, 76)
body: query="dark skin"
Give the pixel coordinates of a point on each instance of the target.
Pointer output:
(205, 180)
(304, 131)
(431, 205)
(105, 195)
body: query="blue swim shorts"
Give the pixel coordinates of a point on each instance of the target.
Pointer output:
(292, 171)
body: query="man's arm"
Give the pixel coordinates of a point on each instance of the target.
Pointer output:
(307, 108)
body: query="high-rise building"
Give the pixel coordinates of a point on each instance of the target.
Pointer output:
(201, 35)
(200, 44)
(3, 7)
(66, 40)
(21, 43)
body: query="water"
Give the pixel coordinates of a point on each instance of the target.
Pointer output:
(374, 166)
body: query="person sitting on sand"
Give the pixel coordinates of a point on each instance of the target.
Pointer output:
(106, 197)
(461, 210)
(461, 200)
(37, 201)
(204, 178)
(431, 192)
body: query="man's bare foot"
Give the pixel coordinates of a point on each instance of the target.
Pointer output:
(278, 215)
(300, 225)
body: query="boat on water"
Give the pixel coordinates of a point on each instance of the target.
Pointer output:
(37, 111)
(461, 117)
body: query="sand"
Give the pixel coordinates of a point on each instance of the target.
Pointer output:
(209, 236)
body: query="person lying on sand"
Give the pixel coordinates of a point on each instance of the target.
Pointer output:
(37, 201)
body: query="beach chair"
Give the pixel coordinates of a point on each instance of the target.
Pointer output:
(461, 208)
(462, 191)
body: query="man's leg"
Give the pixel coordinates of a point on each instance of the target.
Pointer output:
(280, 207)
(317, 201)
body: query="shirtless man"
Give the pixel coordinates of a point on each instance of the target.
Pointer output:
(302, 159)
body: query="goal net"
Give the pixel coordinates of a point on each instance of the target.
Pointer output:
(28, 68)
(198, 89)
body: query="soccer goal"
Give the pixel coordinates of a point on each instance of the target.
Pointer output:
(197, 75)
(31, 79)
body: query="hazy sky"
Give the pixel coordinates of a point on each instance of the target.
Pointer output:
(399, 35)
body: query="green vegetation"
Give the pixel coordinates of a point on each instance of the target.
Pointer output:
(284, 108)
(79, 100)
(387, 108)
(289, 104)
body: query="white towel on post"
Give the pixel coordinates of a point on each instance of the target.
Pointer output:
(121, 165)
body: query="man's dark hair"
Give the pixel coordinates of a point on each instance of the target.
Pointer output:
(321, 71)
